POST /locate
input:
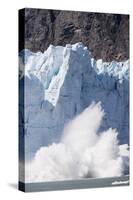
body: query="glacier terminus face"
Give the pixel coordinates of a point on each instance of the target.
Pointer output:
(61, 83)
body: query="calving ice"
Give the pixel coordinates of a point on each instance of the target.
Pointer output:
(63, 82)
(81, 152)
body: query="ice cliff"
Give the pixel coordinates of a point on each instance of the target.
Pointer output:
(60, 83)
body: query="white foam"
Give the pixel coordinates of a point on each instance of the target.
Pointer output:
(81, 152)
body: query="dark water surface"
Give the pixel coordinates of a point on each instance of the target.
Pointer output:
(74, 184)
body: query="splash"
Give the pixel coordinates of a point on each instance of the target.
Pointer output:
(82, 152)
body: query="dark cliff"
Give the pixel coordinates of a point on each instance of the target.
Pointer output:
(106, 35)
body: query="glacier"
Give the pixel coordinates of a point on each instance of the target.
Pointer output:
(60, 83)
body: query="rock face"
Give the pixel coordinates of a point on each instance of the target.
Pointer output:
(60, 83)
(106, 35)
